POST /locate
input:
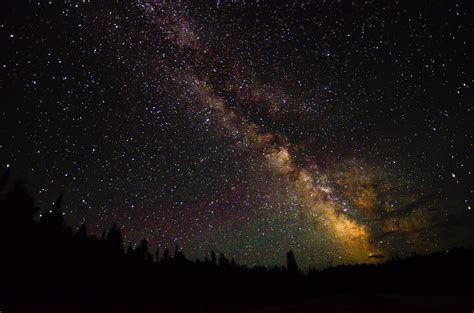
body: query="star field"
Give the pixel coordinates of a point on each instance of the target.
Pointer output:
(339, 129)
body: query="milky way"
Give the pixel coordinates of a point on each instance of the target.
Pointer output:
(340, 130)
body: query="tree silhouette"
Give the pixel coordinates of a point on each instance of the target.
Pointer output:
(82, 233)
(115, 241)
(178, 255)
(141, 251)
(223, 261)
(130, 250)
(166, 254)
(213, 258)
(157, 254)
(18, 207)
(291, 262)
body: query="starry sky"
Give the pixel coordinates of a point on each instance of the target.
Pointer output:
(339, 129)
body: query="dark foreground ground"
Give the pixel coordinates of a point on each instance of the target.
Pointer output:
(89, 300)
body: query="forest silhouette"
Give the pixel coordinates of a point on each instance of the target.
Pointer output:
(48, 267)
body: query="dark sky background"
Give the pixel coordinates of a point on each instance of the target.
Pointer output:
(339, 129)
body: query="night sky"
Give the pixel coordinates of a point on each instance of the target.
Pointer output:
(339, 129)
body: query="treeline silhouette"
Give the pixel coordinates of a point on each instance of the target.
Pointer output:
(47, 267)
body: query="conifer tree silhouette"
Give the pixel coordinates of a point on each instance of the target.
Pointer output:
(213, 258)
(115, 241)
(176, 252)
(18, 207)
(17, 224)
(178, 256)
(129, 250)
(82, 233)
(141, 251)
(157, 255)
(291, 262)
(223, 261)
(166, 254)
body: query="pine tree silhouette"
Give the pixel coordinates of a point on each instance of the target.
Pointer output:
(141, 251)
(213, 258)
(115, 241)
(18, 207)
(82, 233)
(178, 256)
(223, 261)
(157, 255)
(166, 255)
(291, 262)
(130, 251)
